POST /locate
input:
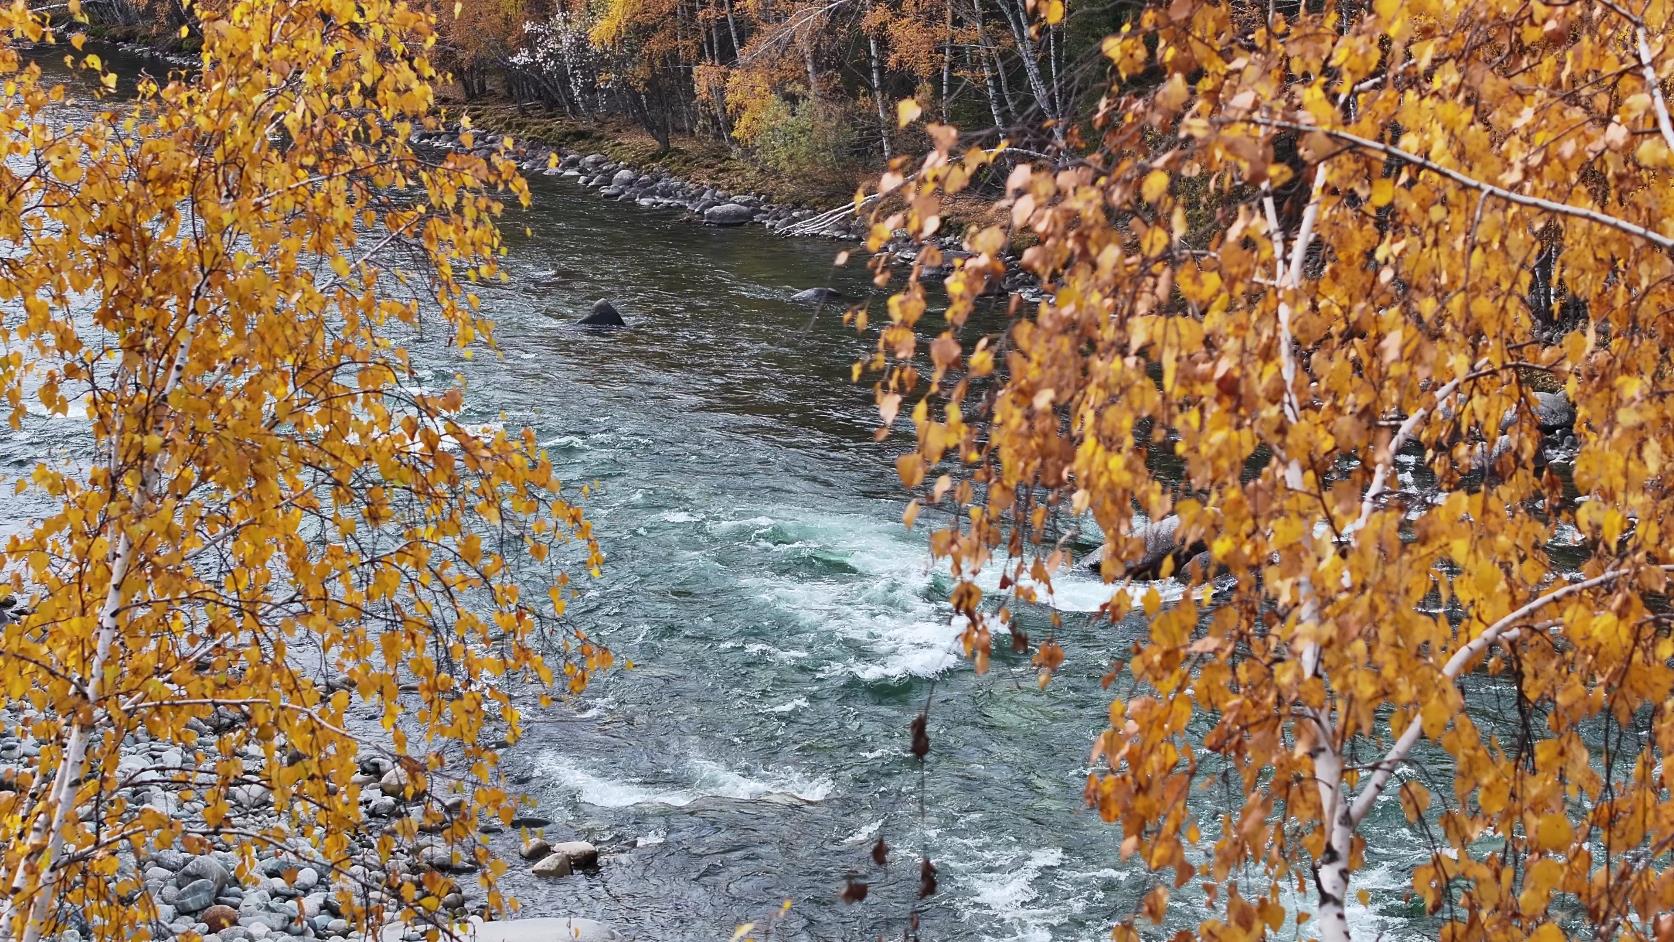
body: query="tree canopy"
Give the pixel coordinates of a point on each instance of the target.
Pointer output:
(275, 519)
(1315, 290)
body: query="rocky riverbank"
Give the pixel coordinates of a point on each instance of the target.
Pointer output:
(292, 891)
(655, 189)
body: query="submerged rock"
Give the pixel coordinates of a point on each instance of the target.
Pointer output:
(604, 315)
(817, 296)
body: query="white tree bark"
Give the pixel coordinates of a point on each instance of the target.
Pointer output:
(49, 828)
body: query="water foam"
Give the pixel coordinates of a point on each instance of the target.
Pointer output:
(1009, 894)
(704, 778)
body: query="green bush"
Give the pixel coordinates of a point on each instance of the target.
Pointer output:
(812, 134)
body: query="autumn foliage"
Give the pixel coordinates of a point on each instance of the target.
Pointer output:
(1308, 292)
(276, 523)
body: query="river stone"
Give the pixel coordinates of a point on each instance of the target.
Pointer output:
(536, 849)
(196, 896)
(553, 865)
(396, 783)
(205, 868)
(581, 853)
(218, 918)
(1161, 540)
(170, 859)
(604, 315)
(624, 178)
(530, 821)
(1553, 411)
(306, 879)
(728, 214)
(816, 296)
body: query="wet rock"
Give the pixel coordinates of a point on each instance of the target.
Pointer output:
(530, 821)
(219, 917)
(1162, 542)
(195, 897)
(444, 860)
(553, 865)
(604, 315)
(728, 214)
(581, 853)
(816, 296)
(536, 849)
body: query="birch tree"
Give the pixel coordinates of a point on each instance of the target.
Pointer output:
(275, 520)
(1289, 311)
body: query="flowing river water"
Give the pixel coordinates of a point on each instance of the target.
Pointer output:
(784, 626)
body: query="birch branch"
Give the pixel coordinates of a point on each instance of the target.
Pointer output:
(1505, 628)
(1471, 183)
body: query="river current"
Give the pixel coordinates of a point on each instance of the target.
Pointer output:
(784, 626)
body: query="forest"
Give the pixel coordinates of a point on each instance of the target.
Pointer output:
(794, 86)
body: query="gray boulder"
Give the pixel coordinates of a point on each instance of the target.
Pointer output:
(581, 853)
(195, 897)
(553, 865)
(1553, 411)
(728, 214)
(397, 783)
(1162, 541)
(204, 868)
(623, 178)
(604, 314)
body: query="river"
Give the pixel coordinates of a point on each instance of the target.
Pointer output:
(784, 626)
